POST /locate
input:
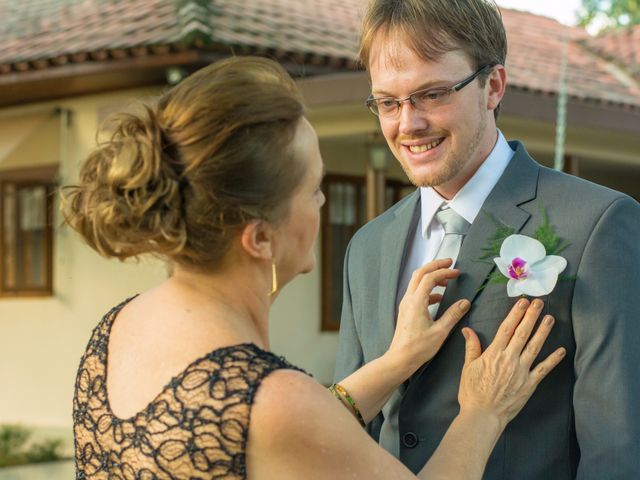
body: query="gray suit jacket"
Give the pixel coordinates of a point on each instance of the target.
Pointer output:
(584, 419)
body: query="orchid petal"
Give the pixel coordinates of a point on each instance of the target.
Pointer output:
(503, 266)
(527, 248)
(513, 289)
(540, 282)
(551, 261)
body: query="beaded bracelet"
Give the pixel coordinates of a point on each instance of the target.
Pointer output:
(341, 394)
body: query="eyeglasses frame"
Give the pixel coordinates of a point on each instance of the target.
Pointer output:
(400, 101)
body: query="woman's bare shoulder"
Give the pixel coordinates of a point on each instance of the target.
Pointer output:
(299, 430)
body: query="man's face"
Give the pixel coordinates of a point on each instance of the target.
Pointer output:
(443, 147)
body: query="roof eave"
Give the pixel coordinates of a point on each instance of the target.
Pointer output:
(102, 71)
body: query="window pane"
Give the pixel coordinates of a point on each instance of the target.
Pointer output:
(33, 208)
(33, 221)
(9, 236)
(342, 206)
(335, 203)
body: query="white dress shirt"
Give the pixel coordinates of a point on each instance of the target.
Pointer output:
(466, 203)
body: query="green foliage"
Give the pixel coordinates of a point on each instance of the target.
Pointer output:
(12, 441)
(492, 249)
(616, 13)
(547, 237)
(46, 451)
(496, 277)
(15, 448)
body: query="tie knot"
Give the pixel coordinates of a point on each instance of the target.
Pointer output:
(452, 222)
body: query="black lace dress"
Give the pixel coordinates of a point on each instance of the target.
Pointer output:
(196, 428)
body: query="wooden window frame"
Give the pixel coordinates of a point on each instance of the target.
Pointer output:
(327, 323)
(19, 179)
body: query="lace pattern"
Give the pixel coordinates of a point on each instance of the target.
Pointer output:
(196, 428)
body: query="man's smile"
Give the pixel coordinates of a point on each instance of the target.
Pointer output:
(424, 147)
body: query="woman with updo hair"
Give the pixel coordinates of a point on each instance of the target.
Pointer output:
(221, 179)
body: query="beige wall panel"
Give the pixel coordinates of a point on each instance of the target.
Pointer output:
(342, 121)
(605, 146)
(605, 157)
(31, 141)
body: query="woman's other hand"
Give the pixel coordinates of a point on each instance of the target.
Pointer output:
(418, 337)
(499, 381)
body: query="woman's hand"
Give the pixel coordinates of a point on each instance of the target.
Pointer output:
(499, 381)
(418, 337)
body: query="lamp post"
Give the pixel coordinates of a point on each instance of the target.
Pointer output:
(377, 164)
(561, 112)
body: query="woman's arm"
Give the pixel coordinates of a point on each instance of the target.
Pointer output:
(298, 430)
(494, 387)
(416, 340)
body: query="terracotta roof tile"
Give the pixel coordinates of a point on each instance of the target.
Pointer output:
(46, 28)
(620, 46)
(47, 33)
(536, 46)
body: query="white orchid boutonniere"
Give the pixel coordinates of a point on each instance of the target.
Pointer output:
(524, 262)
(528, 265)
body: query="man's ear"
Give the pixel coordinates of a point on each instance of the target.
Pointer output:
(497, 86)
(256, 239)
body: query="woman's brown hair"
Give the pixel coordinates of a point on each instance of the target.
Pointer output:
(180, 178)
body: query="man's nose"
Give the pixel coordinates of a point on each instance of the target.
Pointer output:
(411, 120)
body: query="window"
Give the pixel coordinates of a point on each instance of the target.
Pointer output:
(343, 215)
(26, 234)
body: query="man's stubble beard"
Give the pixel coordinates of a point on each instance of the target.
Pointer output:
(452, 165)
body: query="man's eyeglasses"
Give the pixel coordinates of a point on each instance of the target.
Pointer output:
(426, 99)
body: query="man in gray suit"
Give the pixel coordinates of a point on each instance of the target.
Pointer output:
(437, 74)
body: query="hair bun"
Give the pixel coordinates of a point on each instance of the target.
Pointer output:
(129, 199)
(179, 180)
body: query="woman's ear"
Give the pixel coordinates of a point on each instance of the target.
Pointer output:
(256, 239)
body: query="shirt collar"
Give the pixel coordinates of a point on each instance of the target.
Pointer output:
(469, 200)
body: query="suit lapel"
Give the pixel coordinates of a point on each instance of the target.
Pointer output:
(517, 185)
(392, 252)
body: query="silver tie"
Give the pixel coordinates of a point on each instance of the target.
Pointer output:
(455, 228)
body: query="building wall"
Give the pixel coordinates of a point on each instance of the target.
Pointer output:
(42, 339)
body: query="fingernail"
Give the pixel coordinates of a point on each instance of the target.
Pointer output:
(548, 320)
(464, 305)
(522, 303)
(562, 352)
(537, 304)
(465, 334)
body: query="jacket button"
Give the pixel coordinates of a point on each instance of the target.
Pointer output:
(410, 440)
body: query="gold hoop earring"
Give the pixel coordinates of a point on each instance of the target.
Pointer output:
(274, 279)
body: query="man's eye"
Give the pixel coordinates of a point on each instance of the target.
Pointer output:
(386, 103)
(432, 95)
